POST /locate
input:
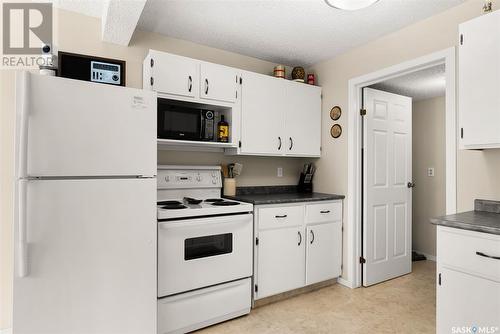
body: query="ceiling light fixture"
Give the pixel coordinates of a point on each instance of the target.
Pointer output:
(350, 4)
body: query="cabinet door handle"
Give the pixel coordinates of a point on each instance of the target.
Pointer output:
(291, 144)
(488, 256)
(300, 238)
(279, 146)
(312, 236)
(206, 86)
(281, 216)
(190, 83)
(324, 211)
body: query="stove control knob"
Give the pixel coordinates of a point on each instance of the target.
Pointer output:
(198, 178)
(167, 178)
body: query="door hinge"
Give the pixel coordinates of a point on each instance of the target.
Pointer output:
(241, 80)
(461, 39)
(439, 279)
(152, 62)
(462, 133)
(256, 288)
(239, 144)
(362, 260)
(362, 112)
(256, 241)
(152, 81)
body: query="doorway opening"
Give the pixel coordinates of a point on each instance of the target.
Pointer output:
(373, 257)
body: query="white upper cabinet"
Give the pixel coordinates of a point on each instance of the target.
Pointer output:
(279, 117)
(302, 119)
(171, 74)
(219, 83)
(268, 116)
(262, 115)
(479, 82)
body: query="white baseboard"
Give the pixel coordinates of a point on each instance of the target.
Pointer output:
(345, 282)
(6, 331)
(428, 256)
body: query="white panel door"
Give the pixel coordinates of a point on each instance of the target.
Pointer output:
(302, 119)
(387, 197)
(281, 261)
(218, 82)
(175, 75)
(91, 257)
(465, 300)
(262, 110)
(323, 251)
(479, 82)
(77, 128)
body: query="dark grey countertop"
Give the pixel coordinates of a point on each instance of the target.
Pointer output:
(485, 218)
(278, 195)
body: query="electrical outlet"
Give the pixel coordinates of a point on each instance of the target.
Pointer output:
(280, 171)
(430, 171)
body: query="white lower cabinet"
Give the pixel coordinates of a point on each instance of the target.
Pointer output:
(468, 281)
(465, 300)
(281, 264)
(295, 247)
(324, 242)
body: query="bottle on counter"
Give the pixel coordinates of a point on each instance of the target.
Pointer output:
(222, 130)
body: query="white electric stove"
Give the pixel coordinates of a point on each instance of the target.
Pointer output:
(205, 249)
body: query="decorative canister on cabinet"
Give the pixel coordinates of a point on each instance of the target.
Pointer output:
(279, 71)
(298, 74)
(310, 79)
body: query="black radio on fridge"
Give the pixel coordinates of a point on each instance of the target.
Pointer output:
(184, 122)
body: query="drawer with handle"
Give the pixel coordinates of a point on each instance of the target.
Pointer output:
(276, 217)
(323, 212)
(475, 253)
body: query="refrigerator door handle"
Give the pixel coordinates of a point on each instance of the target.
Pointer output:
(22, 105)
(22, 244)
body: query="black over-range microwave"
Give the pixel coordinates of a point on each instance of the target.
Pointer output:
(185, 122)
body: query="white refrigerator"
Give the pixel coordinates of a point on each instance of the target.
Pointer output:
(85, 216)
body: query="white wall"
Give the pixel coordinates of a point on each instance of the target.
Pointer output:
(477, 170)
(429, 195)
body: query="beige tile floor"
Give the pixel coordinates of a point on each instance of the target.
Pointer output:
(403, 305)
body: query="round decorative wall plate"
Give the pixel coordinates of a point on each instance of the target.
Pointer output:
(336, 131)
(335, 113)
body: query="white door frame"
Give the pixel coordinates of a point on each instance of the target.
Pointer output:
(354, 145)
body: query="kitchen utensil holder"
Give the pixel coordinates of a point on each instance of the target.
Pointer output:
(229, 186)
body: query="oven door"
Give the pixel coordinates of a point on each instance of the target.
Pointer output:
(178, 122)
(196, 253)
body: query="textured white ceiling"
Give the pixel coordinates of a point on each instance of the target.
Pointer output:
(292, 32)
(421, 85)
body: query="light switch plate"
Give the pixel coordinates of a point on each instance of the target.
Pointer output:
(430, 171)
(280, 171)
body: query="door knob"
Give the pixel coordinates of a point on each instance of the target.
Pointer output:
(411, 184)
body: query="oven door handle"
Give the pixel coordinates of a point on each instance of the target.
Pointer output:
(189, 223)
